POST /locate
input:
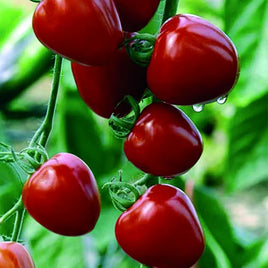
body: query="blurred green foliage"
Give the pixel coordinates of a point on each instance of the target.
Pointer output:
(235, 139)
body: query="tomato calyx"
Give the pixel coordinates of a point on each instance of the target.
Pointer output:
(124, 194)
(140, 48)
(121, 127)
(29, 159)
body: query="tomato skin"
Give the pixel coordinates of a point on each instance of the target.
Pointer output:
(136, 14)
(14, 255)
(62, 195)
(161, 229)
(88, 32)
(193, 62)
(164, 141)
(103, 87)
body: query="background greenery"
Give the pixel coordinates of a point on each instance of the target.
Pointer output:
(231, 178)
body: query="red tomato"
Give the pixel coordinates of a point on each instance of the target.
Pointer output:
(135, 14)
(62, 195)
(161, 229)
(103, 87)
(193, 62)
(88, 31)
(14, 255)
(163, 142)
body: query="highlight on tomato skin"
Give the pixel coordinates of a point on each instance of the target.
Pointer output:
(62, 195)
(161, 229)
(193, 62)
(14, 255)
(164, 141)
(89, 32)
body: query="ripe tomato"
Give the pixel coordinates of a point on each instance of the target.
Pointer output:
(135, 14)
(103, 87)
(161, 229)
(193, 62)
(88, 32)
(163, 142)
(62, 195)
(14, 255)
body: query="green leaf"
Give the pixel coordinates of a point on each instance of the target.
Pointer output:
(213, 253)
(248, 146)
(10, 16)
(247, 25)
(221, 238)
(256, 255)
(52, 250)
(23, 60)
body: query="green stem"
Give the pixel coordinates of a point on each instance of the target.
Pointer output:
(18, 224)
(44, 130)
(170, 9)
(12, 211)
(147, 180)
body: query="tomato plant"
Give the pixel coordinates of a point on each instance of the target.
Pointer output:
(103, 87)
(62, 195)
(14, 255)
(135, 15)
(161, 229)
(193, 62)
(88, 32)
(163, 141)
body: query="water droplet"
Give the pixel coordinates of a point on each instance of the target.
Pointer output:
(198, 107)
(222, 100)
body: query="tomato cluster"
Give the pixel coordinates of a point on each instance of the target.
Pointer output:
(191, 61)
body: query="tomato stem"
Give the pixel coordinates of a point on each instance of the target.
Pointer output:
(171, 7)
(12, 211)
(18, 224)
(42, 134)
(147, 180)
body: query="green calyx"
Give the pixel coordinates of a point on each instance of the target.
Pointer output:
(122, 194)
(140, 48)
(28, 159)
(121, 127)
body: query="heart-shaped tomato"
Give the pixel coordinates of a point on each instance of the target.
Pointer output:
(161, 229)
(103, 87)
(85, 31)
(164, 141)
(193, 62)
(14, 255)
(62, 195)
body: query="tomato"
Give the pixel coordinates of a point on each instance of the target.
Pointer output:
(103, 87)
(161, 229)
(163, 142)
(135, 14)
(14, 255)
(88, 31)
(62, 195)
(193, 62)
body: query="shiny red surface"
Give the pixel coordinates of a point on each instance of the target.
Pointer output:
(164, 141)
(88, 31)
(62, 195)
(193, 62)
(135, 14)
(161, 229)
(14, 255)
(103, 87)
